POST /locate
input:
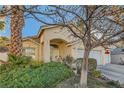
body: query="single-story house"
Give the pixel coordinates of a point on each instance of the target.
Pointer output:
(117, 56)
(53, 43)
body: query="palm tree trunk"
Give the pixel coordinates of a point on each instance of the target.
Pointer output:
(17, 23)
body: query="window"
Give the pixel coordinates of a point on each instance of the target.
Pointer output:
(29, 52)
(122, 50)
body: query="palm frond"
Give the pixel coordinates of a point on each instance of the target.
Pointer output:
(2, 25)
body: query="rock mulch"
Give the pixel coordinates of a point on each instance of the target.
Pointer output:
(69, 83)
(73, 82)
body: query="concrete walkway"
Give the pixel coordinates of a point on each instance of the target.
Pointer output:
(113, 72)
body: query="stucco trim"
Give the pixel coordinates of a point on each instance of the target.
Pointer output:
(31, 41)
(42, 28)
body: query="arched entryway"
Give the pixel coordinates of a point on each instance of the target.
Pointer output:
(58, 49)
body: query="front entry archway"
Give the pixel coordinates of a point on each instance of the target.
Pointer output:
(58, 49)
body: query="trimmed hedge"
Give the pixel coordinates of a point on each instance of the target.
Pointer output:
(46, 75)
(95, 73)
(92, 64)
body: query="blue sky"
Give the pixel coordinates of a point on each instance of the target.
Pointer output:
(31, 28)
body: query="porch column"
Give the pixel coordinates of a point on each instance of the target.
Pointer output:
(46, 51)
(40, 52)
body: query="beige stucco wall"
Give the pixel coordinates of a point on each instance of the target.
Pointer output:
(57, 33)
(65, 50)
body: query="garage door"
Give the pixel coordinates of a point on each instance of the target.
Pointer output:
(96, 54)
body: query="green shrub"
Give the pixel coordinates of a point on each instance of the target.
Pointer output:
(15, 62)
(3, 68)
(92, 64)
(35, 64)
(19, 59)
(46, 75)
(114, 83)
(68, 60)
(6, 67)
(95, 73)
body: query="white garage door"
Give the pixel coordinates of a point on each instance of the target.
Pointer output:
(96, 54)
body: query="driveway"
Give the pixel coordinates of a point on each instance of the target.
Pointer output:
(113, 72)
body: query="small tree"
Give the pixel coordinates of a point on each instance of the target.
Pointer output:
(93, 25)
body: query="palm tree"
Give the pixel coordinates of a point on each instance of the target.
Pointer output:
(17, 23)
(16, 13)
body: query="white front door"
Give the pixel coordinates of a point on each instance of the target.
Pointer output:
(96, 54)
